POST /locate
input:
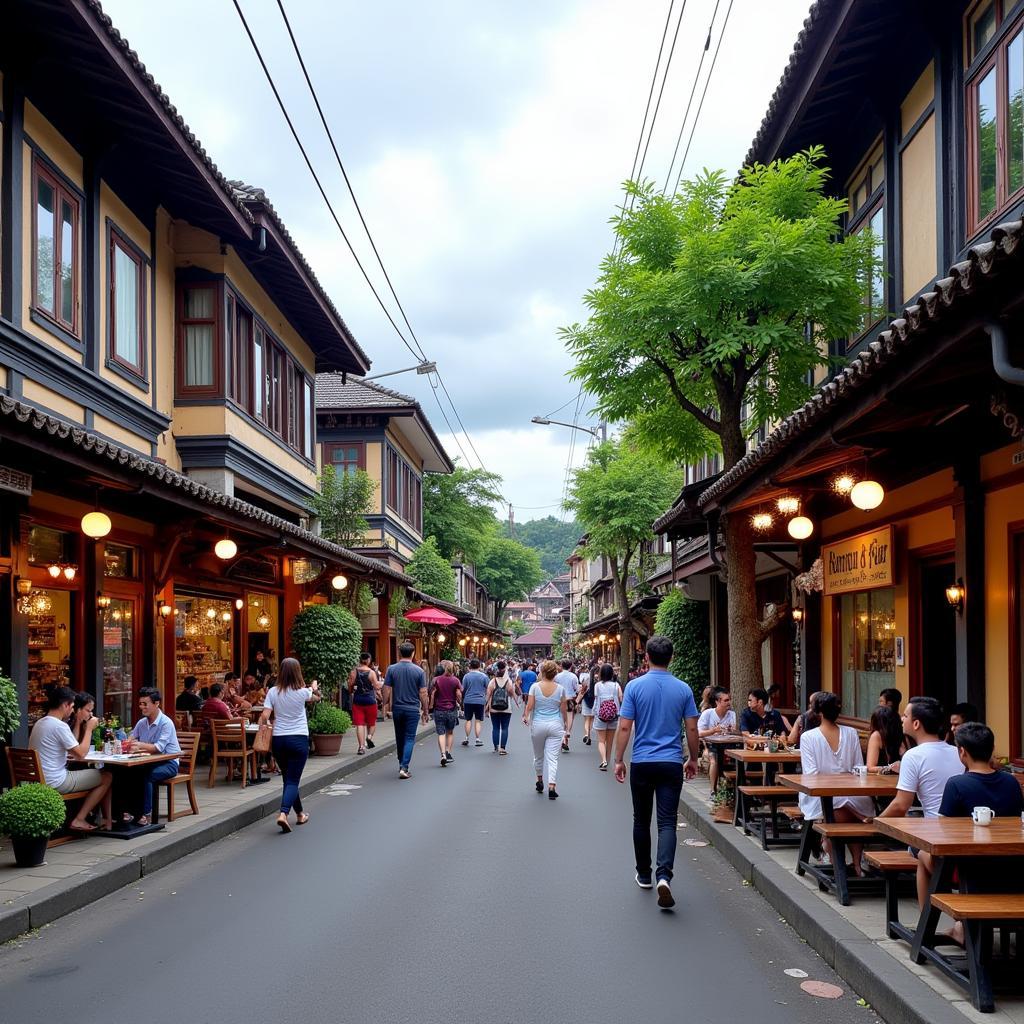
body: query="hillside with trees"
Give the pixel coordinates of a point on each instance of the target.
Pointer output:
(552, 540)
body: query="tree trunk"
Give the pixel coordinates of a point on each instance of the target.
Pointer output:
(745, 671)
(625, 621)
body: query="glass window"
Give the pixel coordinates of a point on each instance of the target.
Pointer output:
(310, 418)
(868, 648)
(345, 458)
(119, 626)
(874, 284)
(203, 634)
(243, 359)
(50, 646)
(46, 246)
(199, 325)
(120, 562)
(258, 383)
(981, 27)
(865, 183)
(1015, 108)
(67, 254)
(126, 300)
(985, 145)
(46, 545)
(55, 249)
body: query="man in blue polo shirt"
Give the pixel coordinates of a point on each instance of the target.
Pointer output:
(474, 700)
(658, 704)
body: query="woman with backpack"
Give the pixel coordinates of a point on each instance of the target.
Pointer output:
(607, 701)
(500, 694)
(363, 686)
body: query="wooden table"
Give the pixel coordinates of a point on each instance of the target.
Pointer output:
(950, 841)
(719, 744)
(827, 788)
(742, 757)
(120, 762)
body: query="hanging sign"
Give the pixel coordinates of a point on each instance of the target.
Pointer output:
(864, 562)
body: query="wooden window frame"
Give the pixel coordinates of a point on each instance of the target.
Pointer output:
(329, 448)
(119, 240)
(62, 191)
(216, 389)
(241, 349)
(259, 383)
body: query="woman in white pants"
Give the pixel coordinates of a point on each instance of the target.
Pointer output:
(547, 715)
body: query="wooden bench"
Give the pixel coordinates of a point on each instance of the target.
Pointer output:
(23, 766)
(895, 866)
(839, 834)
(981, 914)
(792, 811)
(759, 823)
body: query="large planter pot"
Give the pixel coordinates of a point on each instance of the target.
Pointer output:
(724, 812)
(29, 853)
(327, 745)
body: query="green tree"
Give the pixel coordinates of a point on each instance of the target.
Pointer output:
(508, 570)
(342, 504)
(685, 623)
(616, 496)
(707, 320)
(433, 573)
(328, 640)
(552, 539)
(458, 510)
(517, 627)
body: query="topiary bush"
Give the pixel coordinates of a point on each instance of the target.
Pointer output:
(327, 720)
(328, 640)
(32, 811)
(685, 623)
(10, 712)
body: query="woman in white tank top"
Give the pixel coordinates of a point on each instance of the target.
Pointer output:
(546, 714)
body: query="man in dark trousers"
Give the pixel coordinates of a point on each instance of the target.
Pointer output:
(406, 685)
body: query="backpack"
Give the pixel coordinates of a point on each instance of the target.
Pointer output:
(499, 699)
(608, 710)
(364, 685)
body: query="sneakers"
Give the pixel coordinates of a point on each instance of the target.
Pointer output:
(444, 761)
(588, 740)
(665, 898)
(565, 747)
(370, 743)
(644, 882)
(479, 743)
(603, 766)
(552, 794)
(540, 786)
(449, 756)
(465, 743)
(403, 773)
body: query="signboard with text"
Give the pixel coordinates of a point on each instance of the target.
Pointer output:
(864, 562)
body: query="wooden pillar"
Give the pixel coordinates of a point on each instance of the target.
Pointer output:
(969, 542)
(93, 619)
(384, 629)
(290, 603)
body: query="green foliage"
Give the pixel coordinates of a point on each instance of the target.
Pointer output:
(582, 617)
(458, 511)
(508, 570)
(552, 539)
(517, 627)
(328, 720)
(10, 712)
(432, 571)
(328, 640)
(342, 503)
(724, 794)
(557, 638)
(685, 623)
(32, 811)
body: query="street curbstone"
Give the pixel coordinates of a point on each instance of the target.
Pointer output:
(13, 921)
(70, 894)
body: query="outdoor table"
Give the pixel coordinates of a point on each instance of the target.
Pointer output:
(744, 756)
(122, 762)
(950, 841)
(826, 788)
(719, 745)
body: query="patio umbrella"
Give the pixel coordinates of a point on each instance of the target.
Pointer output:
(433, 616)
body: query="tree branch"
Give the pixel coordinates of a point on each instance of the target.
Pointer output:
(694, 410)
(766, 625)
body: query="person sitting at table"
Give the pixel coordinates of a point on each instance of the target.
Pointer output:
(214, 706)
(154, 733)
(247, 685)
(886, 742)
(833, 749)
(962, 712)
(924, 771)
(188, 699)
(707, 699)
(716, 721)
(232, 697)
(806, 720)
(55, 742)
(85, 705)
(756, 718)
(890, 697)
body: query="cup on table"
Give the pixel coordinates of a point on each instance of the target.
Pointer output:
(982, 816)
(860, 771)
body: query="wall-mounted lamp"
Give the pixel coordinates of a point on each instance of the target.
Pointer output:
(163, 610)
(440, 638)
(603, 637)
(24, 588)
(102, 602)
(798, 615)
(239, 604)
(225, 548)
(956, 594)
(339, 582)
(462, 642)
(761, 521)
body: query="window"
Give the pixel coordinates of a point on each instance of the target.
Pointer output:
(198, 335)
(346, 458)
(867, 623)
(866, 195)
(259, 397)
(995, 115)
(292, 406)
(404, 491)
(55, 250)
(241, 347)
(127, 305)
(309, 420)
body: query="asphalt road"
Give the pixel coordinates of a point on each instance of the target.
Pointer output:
(457, 897)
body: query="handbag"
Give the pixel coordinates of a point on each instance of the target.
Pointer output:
(261, 744)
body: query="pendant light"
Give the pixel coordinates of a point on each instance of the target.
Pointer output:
(96, 524)
(867, 494)
(800, 528)
(225, 548)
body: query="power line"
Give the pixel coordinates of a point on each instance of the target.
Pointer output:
(650, 94)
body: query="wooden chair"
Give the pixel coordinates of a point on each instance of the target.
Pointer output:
(230, 744)
(189, 743)
(182, 720)
(23, 766)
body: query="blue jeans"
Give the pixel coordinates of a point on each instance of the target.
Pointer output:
(157, 774)
(499, 728)
(406, 723)
(291, 754)
(650, 782)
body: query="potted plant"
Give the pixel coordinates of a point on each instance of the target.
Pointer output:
(10, 719)
(723, 801)
(327, 725)
(30, 814)
(328, 640)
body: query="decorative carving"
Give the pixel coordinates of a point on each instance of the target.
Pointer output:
(1012, 419)
(812, 581)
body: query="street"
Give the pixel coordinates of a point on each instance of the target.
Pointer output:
(458, 896)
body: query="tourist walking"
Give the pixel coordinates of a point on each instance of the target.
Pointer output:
(445, 694)
(607, 698)
(545, 714)
(569, 682)
(655, 703)
(405, 689)
(588, 680)
(363, 686)
(527, 677)
(500, 694)
(474, 700)
(286, 700)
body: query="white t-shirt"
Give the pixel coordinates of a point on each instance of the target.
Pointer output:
(818, 758)
(569, 682)
(52, 738)
(709, 720)
(924, 771)
(289, 710)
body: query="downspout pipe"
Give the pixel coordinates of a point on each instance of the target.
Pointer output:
(262, 246)
(1001, 354)
(713, 540)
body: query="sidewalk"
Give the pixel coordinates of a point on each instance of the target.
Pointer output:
(78, 873)
(850, 939)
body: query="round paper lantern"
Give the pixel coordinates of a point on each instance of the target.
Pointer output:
(339, 582)
(800, 528)
(225, 548)
(96, 524)
(867, 494)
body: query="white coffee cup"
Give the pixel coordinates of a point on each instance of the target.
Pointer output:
(859, 770)
(983, 816)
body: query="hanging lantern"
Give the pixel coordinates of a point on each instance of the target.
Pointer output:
(440, 638)
(41, 603)
(843, 484)
(788, 506)
(225, 548)
(263, 620)
(800, 528)
(339, 582)
(53, 570)
(239, 604)
(762, 521)
(867, 494)
(96, 524)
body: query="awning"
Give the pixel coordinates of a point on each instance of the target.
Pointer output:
(433, 616)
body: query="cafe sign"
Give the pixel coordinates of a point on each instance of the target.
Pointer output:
(864, 562)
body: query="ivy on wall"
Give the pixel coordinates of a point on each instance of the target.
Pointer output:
(685, 623)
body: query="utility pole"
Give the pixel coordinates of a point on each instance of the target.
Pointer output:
(511, 521)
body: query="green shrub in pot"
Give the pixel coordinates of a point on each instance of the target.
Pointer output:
(32, 811)
(327, 720)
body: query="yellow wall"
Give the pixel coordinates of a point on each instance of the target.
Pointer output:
(164, 288)
(120, 436)
(36, 394)
(407, 451)
(917, 99)
(374, 466)
(3, 376)
(919, 214)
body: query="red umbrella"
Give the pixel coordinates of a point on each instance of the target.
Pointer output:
(434, 616)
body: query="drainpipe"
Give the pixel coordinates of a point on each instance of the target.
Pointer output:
(262, 247)
(713, 540)
(1001, 355)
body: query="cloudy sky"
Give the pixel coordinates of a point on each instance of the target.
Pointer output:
(486, 141)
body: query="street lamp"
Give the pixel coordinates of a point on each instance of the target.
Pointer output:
(600, 431)
(425, 367)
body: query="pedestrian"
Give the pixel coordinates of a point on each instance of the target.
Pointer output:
(445, 694)
(607, 700)
(527, 677)
(545, 714)
(286, 700)
(569, 682)
(500, 694)
(588, 680)
(363, 685)
(406, 688)
(656, 703)
(474, 700)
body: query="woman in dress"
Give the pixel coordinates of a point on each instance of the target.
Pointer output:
(833, 749)
(607, 692)
(287, 701)
(887, 742)
(547, 716)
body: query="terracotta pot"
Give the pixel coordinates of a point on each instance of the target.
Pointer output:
(29, 853)
(327, 745)
(724, 812)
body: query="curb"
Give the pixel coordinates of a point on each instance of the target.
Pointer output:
(65, 896)
(894, 991)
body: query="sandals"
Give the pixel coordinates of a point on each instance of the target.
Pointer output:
(283, 824)
(301, 819)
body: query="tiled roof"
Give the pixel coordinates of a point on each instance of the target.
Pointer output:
(106, 453)
(901, 339)
(539, 636)
(332, 393)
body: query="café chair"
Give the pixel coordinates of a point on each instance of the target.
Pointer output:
(230, 744)
(189, 743)
(182, 720)
(23, 766)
